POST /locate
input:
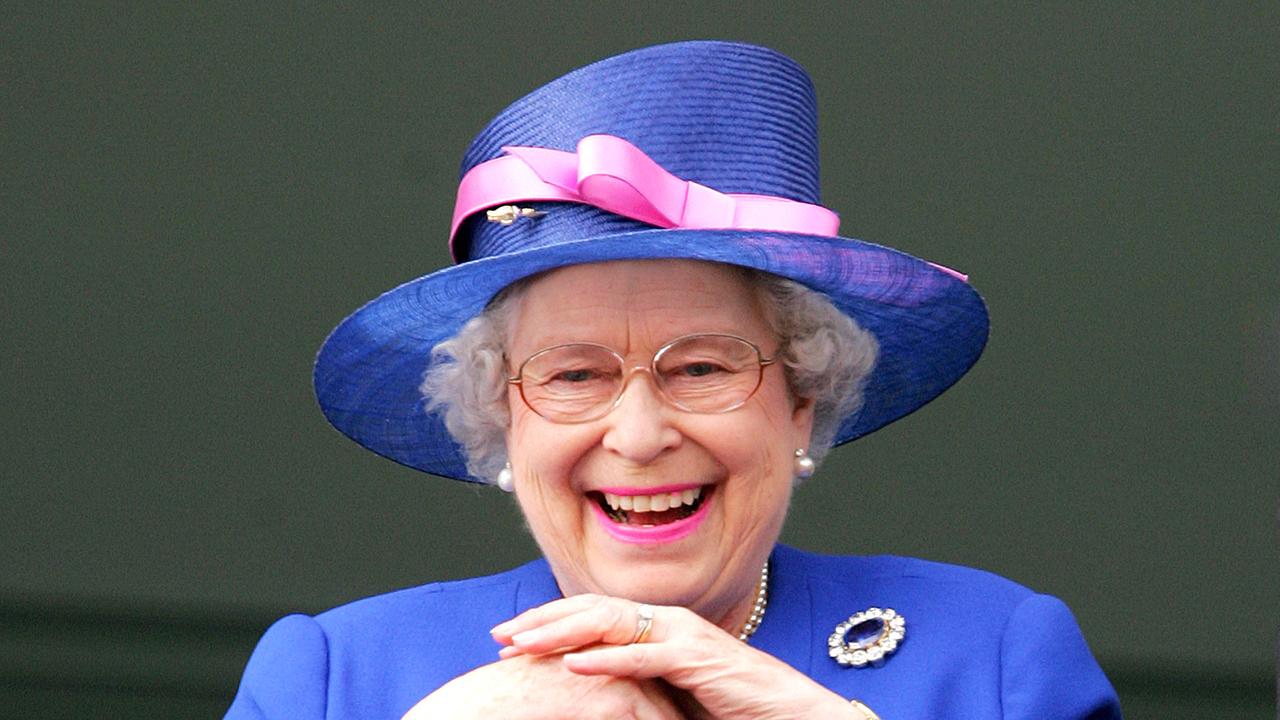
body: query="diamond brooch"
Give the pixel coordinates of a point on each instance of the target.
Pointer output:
(875, 632)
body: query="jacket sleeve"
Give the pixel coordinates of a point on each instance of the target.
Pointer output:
(287, 675)
(1047, 671)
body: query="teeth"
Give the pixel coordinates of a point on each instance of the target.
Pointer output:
(653, 503)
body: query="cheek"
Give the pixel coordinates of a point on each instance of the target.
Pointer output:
(774, 483)
(544, 458)
(541, 472)
(778, 433)
(544, 455)
(773, 443)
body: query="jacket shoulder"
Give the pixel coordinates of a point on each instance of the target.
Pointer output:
(925, 576)
(447, 619)
(443, 595)
(377, 656)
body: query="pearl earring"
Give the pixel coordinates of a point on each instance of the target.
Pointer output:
(804, 465)
(506, 481)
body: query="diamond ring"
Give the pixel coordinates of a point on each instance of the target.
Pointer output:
(644, 623)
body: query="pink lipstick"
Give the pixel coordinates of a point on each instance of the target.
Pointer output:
(625, 526)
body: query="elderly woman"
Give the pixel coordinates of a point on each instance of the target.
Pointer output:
(653, 333)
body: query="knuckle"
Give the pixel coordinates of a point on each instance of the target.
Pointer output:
(612, 614)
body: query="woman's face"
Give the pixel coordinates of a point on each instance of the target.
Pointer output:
(737, 464)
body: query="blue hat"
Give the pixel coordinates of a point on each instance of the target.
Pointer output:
(729, 128)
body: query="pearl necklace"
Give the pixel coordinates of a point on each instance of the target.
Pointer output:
(757, 610)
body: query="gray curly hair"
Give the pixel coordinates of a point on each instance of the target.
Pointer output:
(826, 354)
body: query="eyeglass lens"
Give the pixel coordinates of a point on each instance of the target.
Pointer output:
(699, 373)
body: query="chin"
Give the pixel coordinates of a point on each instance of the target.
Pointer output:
(658, 585)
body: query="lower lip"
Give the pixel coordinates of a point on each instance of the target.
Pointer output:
(654, 534)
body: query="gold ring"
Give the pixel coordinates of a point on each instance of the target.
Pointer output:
(644, 623)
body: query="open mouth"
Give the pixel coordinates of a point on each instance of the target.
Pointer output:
(653, 510)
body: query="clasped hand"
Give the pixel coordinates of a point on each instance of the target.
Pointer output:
(575, 658)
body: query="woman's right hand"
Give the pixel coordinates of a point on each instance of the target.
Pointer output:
(528, 687)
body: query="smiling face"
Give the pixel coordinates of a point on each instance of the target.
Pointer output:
(725, 478)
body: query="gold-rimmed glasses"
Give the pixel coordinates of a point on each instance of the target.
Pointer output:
(702, 373)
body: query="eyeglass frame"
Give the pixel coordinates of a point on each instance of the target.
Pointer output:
(652, 369)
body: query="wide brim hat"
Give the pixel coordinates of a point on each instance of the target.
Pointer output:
(734, 123)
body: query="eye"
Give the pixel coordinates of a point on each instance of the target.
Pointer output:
(575, 376)
(699, 369)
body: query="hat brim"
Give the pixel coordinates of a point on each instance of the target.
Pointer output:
(931, 327)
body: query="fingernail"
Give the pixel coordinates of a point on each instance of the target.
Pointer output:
(501, 628)
(527, 636)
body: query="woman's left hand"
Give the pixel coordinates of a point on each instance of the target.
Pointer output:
(726, 677)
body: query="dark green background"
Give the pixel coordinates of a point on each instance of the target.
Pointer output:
(194, 196)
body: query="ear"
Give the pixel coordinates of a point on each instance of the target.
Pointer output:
(802, 421)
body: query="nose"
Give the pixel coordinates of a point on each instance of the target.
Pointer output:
(640, 426)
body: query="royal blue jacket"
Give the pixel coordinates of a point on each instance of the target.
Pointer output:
(977, 646)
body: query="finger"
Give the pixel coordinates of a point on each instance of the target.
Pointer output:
(542, 615)
(641, 661)
(509, 652)
(613, 622)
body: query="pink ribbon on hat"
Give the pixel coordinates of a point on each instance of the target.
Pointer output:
(612, 174)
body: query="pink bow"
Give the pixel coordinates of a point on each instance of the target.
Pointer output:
(612, 174)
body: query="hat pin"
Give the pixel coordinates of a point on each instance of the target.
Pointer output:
(508, 214)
